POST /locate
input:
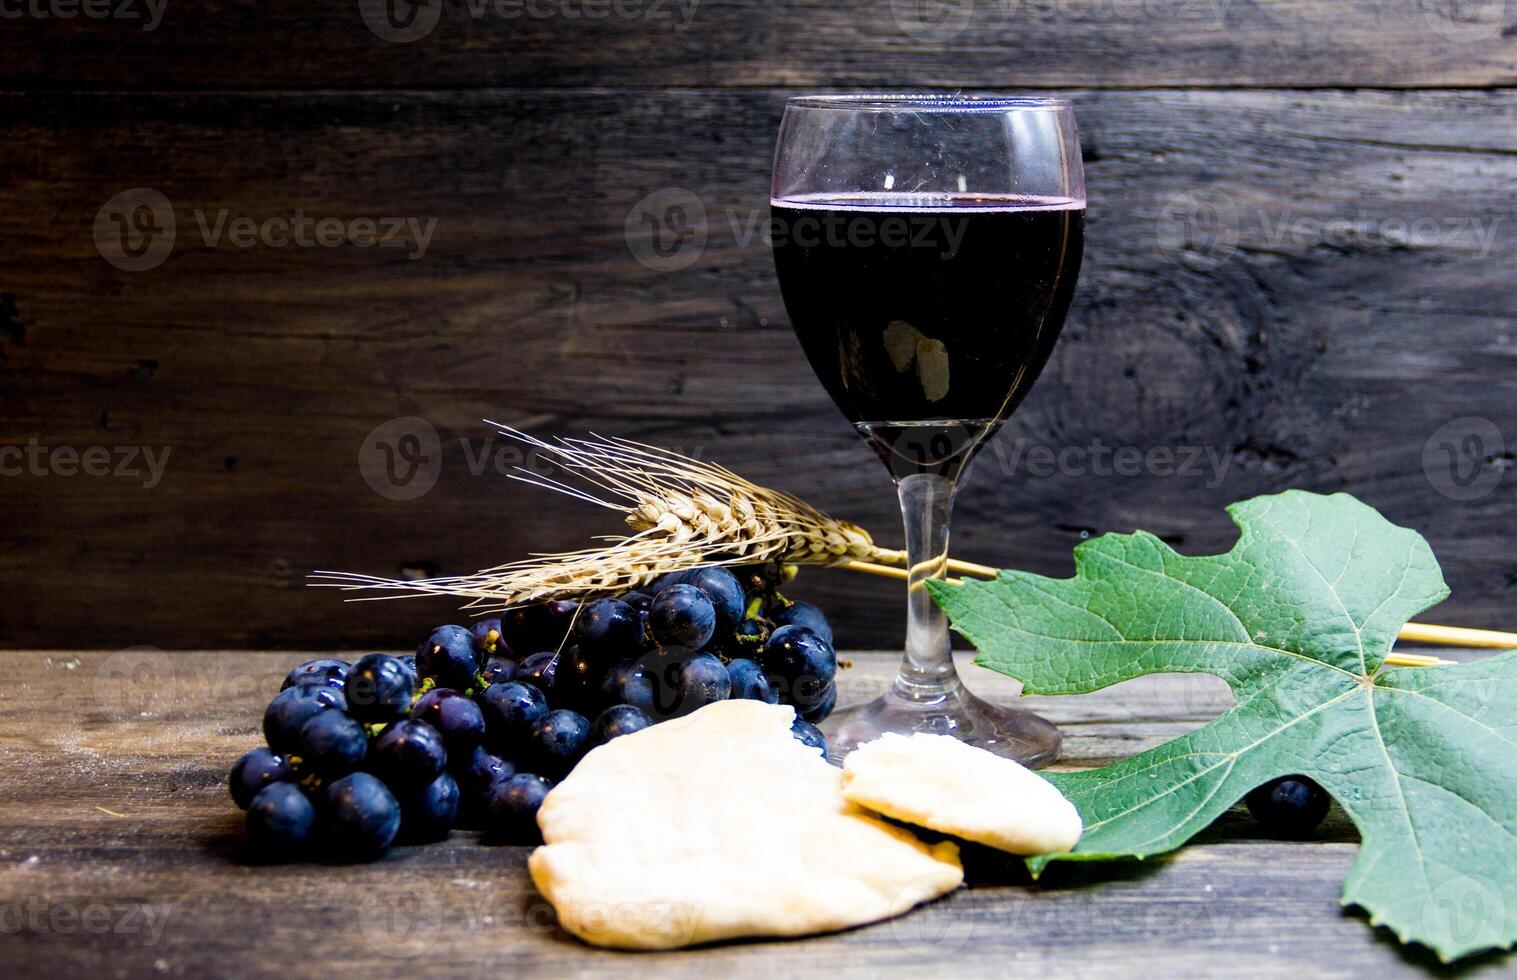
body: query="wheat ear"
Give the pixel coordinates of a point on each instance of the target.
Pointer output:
(684, 513)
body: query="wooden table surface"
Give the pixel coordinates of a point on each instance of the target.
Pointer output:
(119, 856)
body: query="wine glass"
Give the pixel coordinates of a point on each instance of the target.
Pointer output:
(927, 249)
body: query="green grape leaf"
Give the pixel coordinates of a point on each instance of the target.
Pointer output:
(1297, 618)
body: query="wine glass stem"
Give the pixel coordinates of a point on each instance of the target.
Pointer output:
(927, 672)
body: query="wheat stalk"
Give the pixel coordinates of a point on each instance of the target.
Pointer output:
(684, 513)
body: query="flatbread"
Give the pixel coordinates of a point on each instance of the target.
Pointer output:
(719, 826)
(943, 784)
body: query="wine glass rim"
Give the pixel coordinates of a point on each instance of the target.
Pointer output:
(904, 102)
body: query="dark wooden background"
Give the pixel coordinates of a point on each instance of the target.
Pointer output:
(1285, 269)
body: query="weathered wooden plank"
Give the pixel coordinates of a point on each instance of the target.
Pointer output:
(1281, 289)
(148, 44)
(119, 854)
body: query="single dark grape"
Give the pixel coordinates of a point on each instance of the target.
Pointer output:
(379, 689)
(703, 680)
(408, 755)
(803, 614)
(487, 641)
(361, 815)
(726, 595)
(256, 769)
(577, 682)
(747, 639)
(457, 719)
(429, 813)
(326, 672)
(749, 682)
(760, 580)
(498, 670)
(815, 706)
(682, 616)
(796, 652)
(608, 629)
(631, 682)
(510, 710)
(540, 626)
(511, 806)
(557, 741)
(280, 820)
(1290, 806)
(331, 744)
(808, 734)
(616, 721)
(540, 670)
(292, 708)
(475, 771)
(812, 697)
(641, 601)
(448, 657)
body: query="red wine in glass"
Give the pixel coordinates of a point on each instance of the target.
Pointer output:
(927, 249)
(927, 317)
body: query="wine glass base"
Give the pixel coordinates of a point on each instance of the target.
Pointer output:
(1014, 733)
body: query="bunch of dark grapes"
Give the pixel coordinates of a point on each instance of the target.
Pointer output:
(478, 726)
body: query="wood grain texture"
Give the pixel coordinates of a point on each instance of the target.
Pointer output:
(120, 854)
(1281, 290)
(747, 43)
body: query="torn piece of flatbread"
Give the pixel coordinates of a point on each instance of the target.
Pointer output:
(939, 782)
(717, 826)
